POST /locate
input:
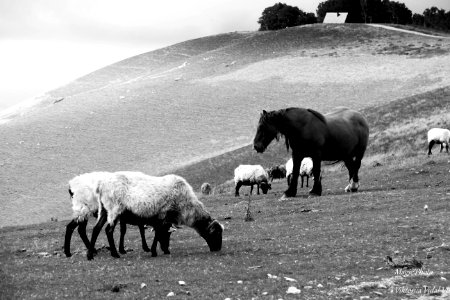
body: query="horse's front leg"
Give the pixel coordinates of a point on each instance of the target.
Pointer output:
(317, 186)
(293, 182)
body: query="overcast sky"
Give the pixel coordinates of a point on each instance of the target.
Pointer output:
(47, 43)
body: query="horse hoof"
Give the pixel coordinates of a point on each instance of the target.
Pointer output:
(284, 198)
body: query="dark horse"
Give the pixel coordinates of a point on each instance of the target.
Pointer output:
(341, 135)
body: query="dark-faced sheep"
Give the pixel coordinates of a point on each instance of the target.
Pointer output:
(250, 175)
(155, 201)
(438, 136)
(277, 172)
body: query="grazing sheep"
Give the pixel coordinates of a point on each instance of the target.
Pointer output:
(206, 188)
(277, 172)
(438, 136)
(84, 197)
(250, 175)
(154, 201)
(305, 170)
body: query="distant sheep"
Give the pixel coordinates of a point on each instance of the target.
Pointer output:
(305, 170)
(206, 188)
(155, 201)
(438, 136)
(84, 197)
(277, 172)
(250, 175)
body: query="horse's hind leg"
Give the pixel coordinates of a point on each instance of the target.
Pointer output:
(353, 166)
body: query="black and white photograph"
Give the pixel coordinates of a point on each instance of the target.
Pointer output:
(227, 150)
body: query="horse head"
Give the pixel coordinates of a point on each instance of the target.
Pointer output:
(265, 132)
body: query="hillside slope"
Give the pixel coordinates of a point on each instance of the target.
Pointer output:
(174, 106)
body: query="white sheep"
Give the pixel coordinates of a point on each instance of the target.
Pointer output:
(250, 175)
(438, 136)
(154, 201)
(305, 170)
(84, 197)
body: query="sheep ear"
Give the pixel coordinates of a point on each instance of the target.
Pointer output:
(213, 226)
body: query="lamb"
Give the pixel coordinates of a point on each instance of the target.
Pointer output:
(438, 136)
(305, 170)
(155, 201)
(82, 191)
(250, 175)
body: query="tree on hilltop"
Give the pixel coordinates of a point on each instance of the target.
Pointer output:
(280, 16)
(367, 11)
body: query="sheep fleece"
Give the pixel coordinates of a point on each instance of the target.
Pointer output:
(149, 196)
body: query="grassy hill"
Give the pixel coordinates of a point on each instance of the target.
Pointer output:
(175, 106)
(192, 108)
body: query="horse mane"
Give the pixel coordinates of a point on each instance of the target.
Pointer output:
(318, 115)
(269, 118)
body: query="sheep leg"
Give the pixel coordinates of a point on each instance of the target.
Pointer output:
(164, 237)
(251, 189)
(155, 243)
(257, 190)
(144, 242)
(307, 181)
(430, 146)
(82, 232)
(238, 186)
(69, 230)
(95, 232)
(302, 181)
(110, 235)
(123, 230)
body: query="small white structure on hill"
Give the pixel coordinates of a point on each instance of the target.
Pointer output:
(335, 17)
